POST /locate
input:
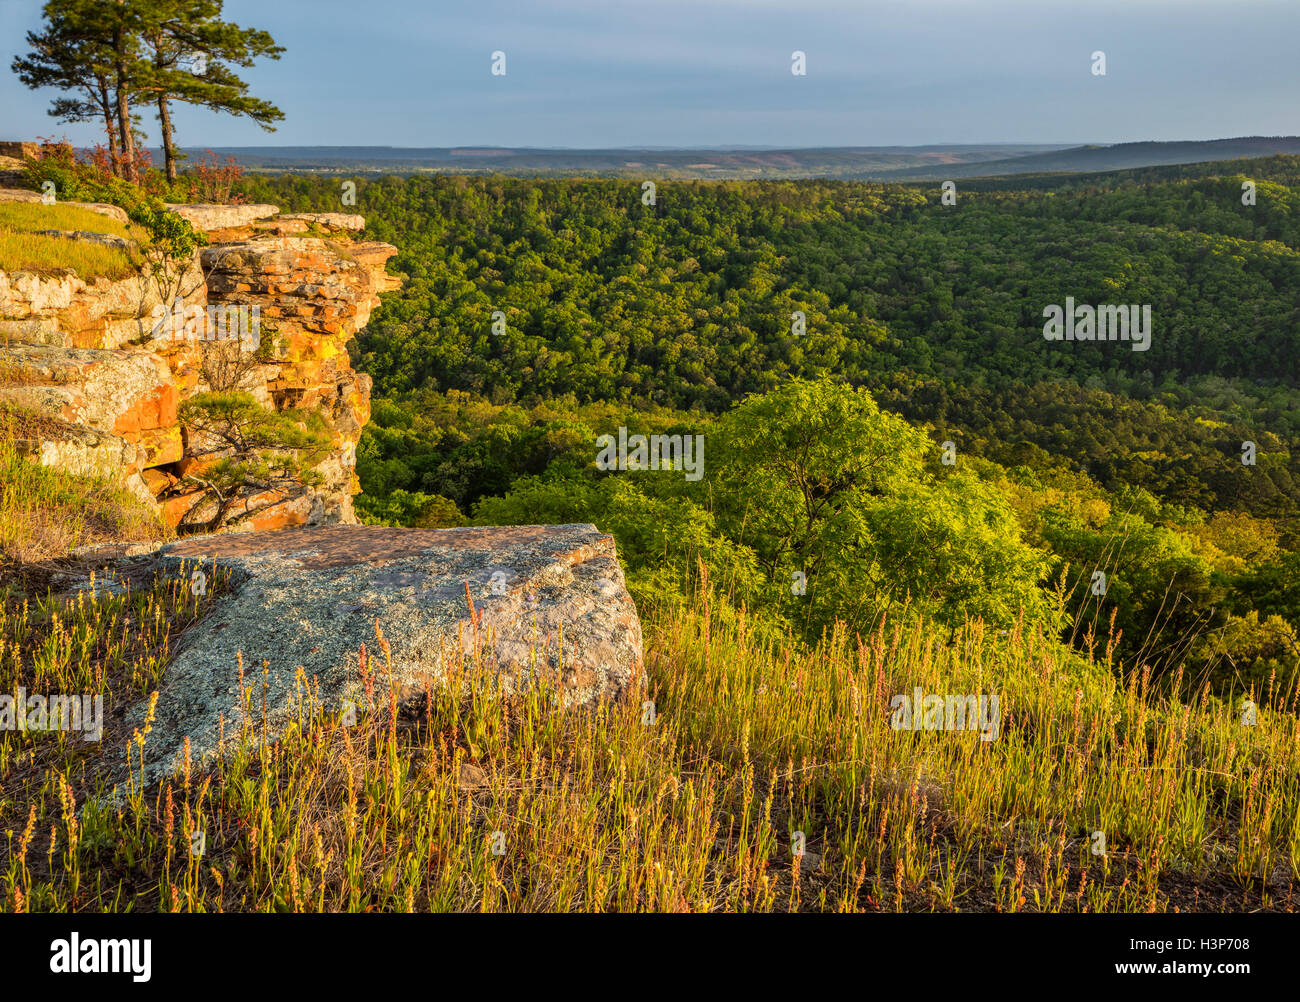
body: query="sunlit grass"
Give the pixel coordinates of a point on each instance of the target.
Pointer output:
(693, 807)
(30, 216)
(45, 512)
(23, 249)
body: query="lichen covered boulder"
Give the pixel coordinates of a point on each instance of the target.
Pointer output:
(541, 605)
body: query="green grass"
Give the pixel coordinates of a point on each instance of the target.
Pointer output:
(44, 512)
(602, 811)
(22, 249)
(31, 216)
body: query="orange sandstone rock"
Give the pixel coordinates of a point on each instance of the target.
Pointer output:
(84, 353)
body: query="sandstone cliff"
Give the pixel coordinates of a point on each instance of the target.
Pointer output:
(84, 353)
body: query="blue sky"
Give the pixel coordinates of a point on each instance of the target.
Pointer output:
(598, 73)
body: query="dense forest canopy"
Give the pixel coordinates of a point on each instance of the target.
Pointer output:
(538, 315)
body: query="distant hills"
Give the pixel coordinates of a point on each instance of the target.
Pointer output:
(732, 162)
(874, 163)
(1122, 156)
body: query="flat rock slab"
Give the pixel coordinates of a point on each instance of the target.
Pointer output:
(330, 220)
(87, 236)
(549, 602)
(205, 216)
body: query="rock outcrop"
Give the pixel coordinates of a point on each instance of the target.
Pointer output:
(214, 218)
(88, 353)
(539, 604)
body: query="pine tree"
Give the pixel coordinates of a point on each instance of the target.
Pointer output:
(191, 51)
(158, 51)
(75, 53)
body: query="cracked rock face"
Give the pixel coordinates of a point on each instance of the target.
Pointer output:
(548, 602)
(83, 353)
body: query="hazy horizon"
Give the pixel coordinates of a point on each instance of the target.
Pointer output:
(721, 147)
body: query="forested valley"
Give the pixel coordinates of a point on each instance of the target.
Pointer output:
(886, 432)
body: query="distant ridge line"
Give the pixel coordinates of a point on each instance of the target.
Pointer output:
(863, 163)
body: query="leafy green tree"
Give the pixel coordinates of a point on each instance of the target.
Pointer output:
(819, 482)
(1274, 588)
(412, 509)
(1157, 593)
(1251, 652)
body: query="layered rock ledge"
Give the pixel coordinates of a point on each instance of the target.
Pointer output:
(85, 352)
(539, 604)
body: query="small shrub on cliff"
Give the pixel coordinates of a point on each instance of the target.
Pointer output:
(89, 176)
(167, 255)
(213, 180)
(225, 365)
(74, 178)
(249, 459)
(84, 178)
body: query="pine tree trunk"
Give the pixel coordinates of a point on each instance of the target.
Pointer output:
(126, 138)
(124, 110)
(165, 124)
(106, 108)
(160, 58)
